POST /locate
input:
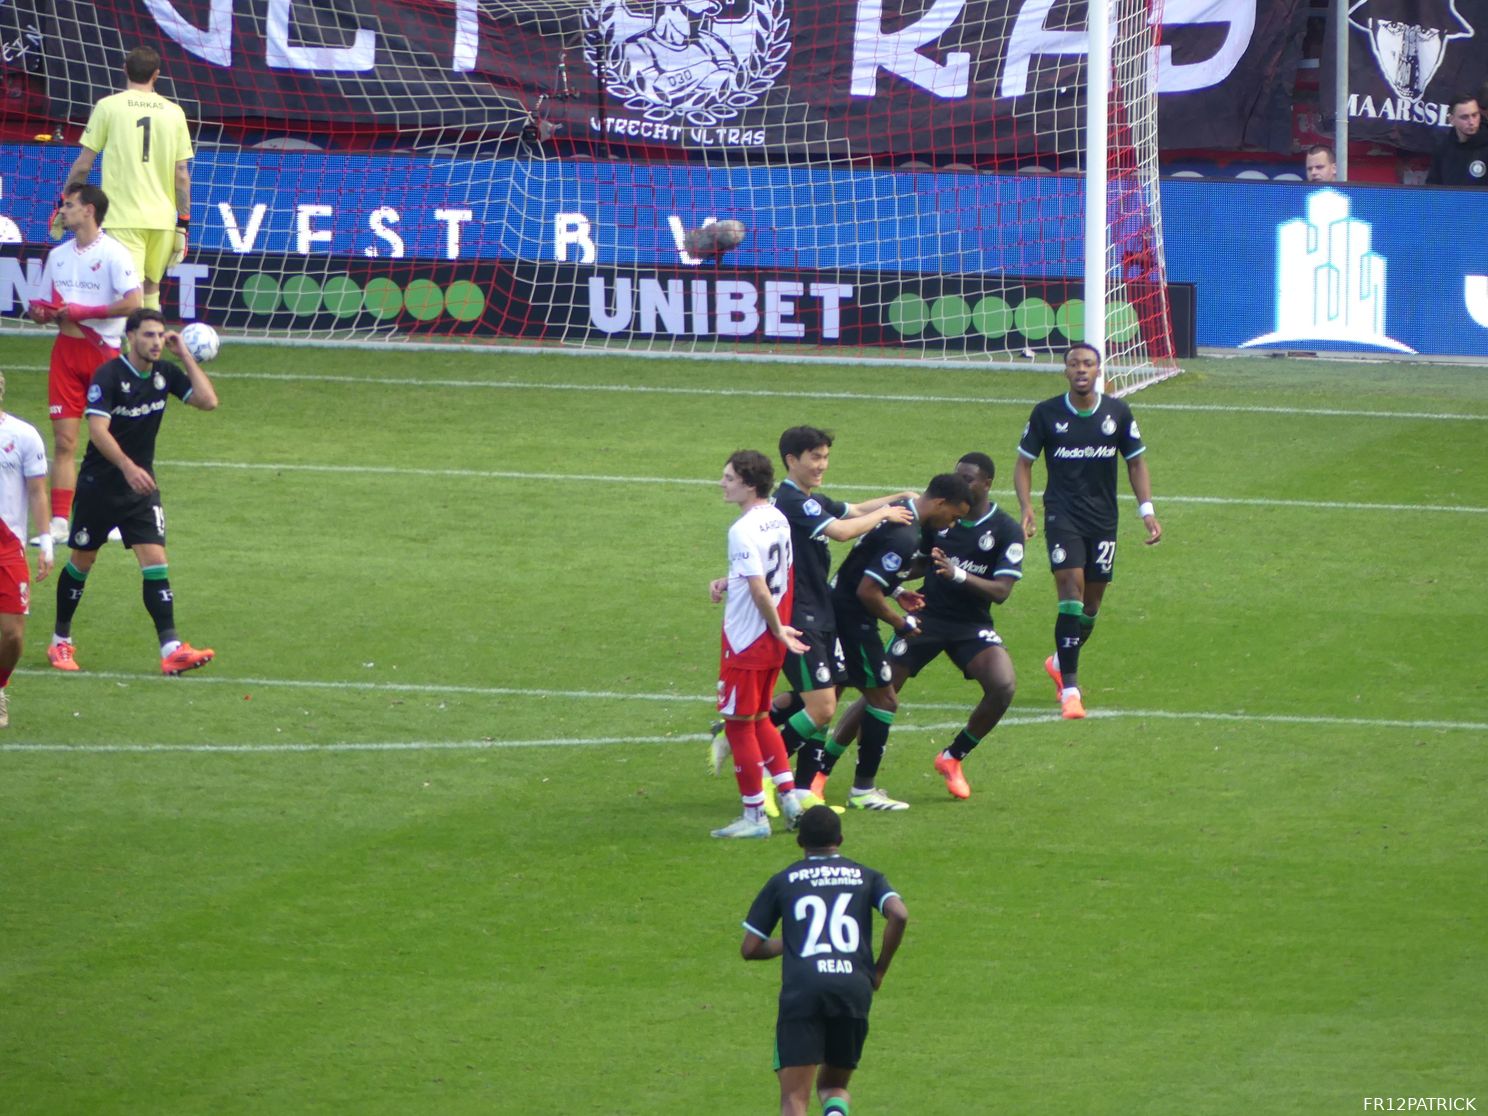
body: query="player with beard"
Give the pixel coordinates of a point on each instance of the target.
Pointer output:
(116, 483)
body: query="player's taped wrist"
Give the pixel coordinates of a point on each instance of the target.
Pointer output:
(44, 540)
(958, 575)
(898, 590)
(910, 625)
(1144, 509)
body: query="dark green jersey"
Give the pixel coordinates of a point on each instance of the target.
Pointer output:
(989, 547)
(886, 554)
(134, 403)
(1080, 451)
(824, 906)
(808, 515)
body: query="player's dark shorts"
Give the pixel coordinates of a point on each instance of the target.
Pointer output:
(1096, 555)
(820, 668)
(960, 642)
(866, 659)
(820, 1040)
(97, 509)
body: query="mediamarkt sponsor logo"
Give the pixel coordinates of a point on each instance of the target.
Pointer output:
(715, 307)
(1077, 452)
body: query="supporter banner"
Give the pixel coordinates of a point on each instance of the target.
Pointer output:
(956, 77)
(1407, 60)
(970, 313)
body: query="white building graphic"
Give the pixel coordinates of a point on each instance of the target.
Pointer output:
(1330, 285)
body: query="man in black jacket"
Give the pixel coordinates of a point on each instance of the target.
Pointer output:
(1462, 157)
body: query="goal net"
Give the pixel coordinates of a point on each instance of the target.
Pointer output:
(908, 177)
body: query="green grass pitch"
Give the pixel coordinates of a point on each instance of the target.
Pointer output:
(430, 836)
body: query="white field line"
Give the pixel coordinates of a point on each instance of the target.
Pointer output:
(703, 701)
(600, 478)
(844, 396)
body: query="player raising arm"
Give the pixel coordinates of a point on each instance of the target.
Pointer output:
(1080, 434)
(116, 484)
(814, 675)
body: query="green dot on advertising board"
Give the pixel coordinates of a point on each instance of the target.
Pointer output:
(908, 315)
(343, 296)
(383, 298)
(1121, 321)
(260, 293)
(424, 299)
(1034, 319)
(951, 315)
(465, 301)
(301, 295)
(1071, 319)
(992, 317)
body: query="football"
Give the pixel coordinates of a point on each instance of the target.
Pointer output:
(201, 341)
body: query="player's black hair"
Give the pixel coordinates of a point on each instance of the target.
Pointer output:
(1461, 99)
(754, 469)
(141, 63)
(798, 440)
(981, 462)
(142, 315)
(819, 828)
(1085, 345)
(948, 487)
(89, 194)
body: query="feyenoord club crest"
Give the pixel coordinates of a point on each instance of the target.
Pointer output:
(1409, 40)
(1109, 426)
(686, 57)
(158, 381)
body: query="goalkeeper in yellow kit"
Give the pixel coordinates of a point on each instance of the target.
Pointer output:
(146, 171)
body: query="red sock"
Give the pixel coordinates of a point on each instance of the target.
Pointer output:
(61, 503)
(746, 749)
(774, 756)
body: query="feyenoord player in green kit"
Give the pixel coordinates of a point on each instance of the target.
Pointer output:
(116, 483)
(1080, 434)
(824, 907)
(974, 564)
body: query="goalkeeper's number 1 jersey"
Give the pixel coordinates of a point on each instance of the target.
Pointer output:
(142, 136)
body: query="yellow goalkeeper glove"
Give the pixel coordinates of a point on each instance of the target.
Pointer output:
(54, 224)
(178, 254)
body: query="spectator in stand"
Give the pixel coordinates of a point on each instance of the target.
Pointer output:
(1462, 157)
(1320, 164)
